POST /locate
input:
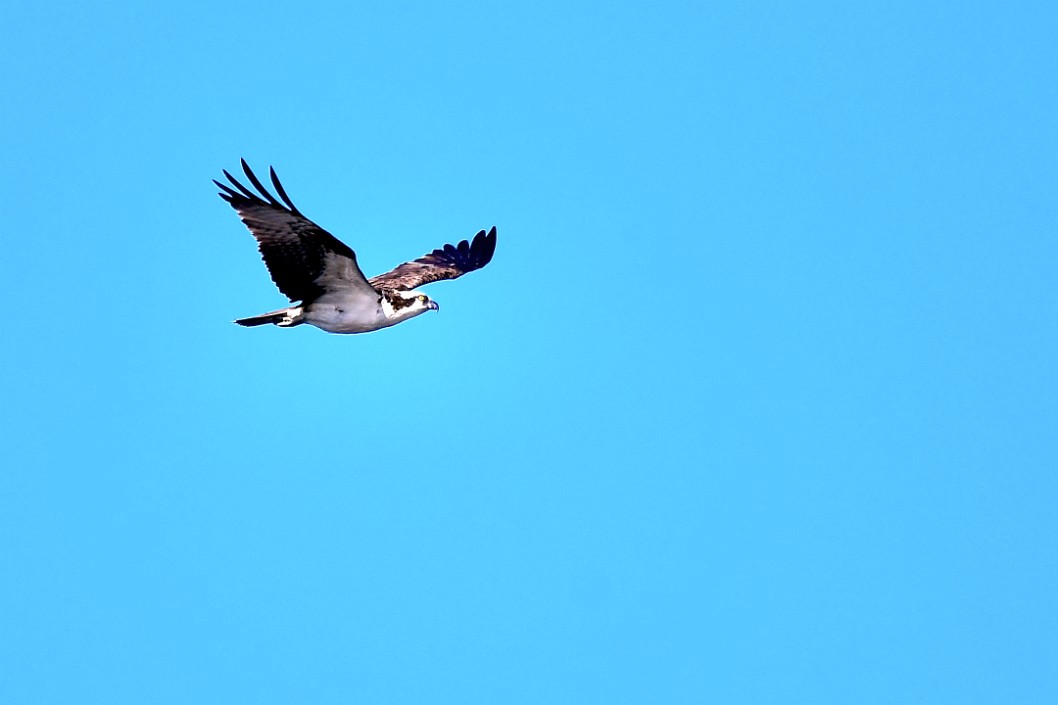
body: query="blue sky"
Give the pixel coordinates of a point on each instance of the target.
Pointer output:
(755, 404)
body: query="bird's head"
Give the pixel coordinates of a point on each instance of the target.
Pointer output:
(419, 300)
(405, 304)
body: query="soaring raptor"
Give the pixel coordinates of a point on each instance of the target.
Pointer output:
(319, 274)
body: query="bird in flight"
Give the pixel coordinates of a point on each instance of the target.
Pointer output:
(319, 274)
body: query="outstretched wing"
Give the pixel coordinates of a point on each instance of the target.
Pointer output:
(448, 262)
(304, 259)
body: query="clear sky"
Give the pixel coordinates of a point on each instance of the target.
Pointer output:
(757, 402)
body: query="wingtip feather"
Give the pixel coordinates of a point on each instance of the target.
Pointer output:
(258, 185)
(281, 191)
(228, 192)
(484, 246)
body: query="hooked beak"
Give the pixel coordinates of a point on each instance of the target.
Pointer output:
(433, 306)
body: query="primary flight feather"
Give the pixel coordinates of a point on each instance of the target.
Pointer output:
(319, 274)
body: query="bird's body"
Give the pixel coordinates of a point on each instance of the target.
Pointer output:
(320, 275)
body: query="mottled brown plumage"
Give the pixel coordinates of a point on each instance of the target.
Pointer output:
(449, 262)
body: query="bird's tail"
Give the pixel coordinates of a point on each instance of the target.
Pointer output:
(283, 317)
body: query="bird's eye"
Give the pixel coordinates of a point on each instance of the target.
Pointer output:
(422, 299)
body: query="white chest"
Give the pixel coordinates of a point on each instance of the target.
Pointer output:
(335, 315)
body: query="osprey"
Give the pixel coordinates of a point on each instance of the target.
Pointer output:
(313, 267)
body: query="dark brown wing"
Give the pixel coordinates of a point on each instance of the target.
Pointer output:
(304, 259)
(448, 262)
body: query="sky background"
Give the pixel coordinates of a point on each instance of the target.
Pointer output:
(757, 402)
